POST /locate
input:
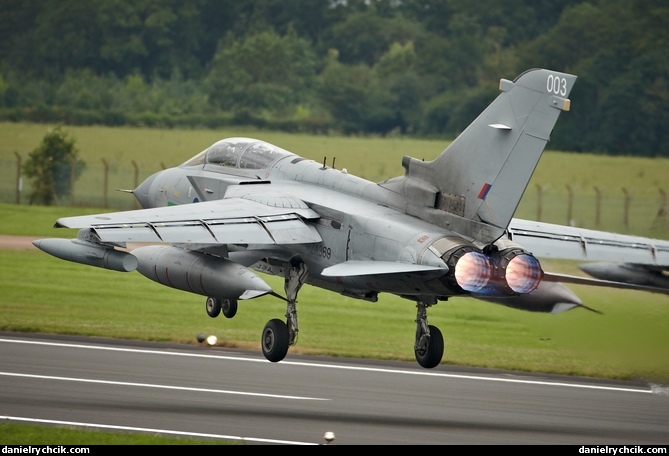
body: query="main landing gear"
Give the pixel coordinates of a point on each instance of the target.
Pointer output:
(429, 345)
(277, 336)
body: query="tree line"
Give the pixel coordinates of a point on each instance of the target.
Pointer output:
(410, 67)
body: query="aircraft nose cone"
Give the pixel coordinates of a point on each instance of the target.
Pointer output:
(143, 191)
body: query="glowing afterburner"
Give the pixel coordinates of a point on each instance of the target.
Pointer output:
(523, 273)
(472, 271)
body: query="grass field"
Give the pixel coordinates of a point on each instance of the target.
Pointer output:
(24, 434)
(478, 334)
(47, 295)
(44, 294)
(630, 188)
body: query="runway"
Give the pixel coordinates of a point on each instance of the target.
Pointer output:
(235, 395)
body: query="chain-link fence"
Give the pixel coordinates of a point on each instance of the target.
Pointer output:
(98, 185)
(641, 212)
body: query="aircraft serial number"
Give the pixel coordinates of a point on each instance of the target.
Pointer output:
(322, 251)
(556, 85)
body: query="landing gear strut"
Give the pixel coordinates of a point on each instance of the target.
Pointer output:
(277, 336)
(429, 345)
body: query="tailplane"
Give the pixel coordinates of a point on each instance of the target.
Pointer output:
(483, 173)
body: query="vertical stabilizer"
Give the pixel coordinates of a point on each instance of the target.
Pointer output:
(482, 175)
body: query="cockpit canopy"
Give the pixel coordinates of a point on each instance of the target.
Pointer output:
(243, 153)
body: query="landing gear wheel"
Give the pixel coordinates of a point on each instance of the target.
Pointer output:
(430, 356)
(229, 307)
(274, 340)
(213, 306)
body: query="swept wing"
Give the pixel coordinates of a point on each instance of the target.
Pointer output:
(445, 228)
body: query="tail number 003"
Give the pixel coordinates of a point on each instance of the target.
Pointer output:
(556, 85)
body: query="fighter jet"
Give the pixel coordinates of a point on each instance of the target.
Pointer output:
(443, 229)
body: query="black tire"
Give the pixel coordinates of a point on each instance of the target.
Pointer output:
(274, 340)
(431, 356)
(213, 306)
(229, 307)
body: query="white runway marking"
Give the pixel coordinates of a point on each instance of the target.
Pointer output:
(337, 366)
(152, 385)
(154, 431)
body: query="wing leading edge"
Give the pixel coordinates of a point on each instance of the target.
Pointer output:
(228, 221)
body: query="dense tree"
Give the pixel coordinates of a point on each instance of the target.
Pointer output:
(411, 66)
(365, 36)
(17, 42)
(52, 166)
(620, 51)
(397, 78)
(345, 91)
(262, 73)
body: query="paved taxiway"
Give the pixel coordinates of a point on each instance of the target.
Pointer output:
(238, 395)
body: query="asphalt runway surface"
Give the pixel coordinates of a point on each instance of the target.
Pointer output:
(238, 396)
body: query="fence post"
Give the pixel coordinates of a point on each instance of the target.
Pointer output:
(662, 212)
(660, 222)
(663, 207)
(19, 181)
(134, 164)
(598, 205)
(570, 206)
(627, 208)
(105, 189)
(73, 164)
(540, 200)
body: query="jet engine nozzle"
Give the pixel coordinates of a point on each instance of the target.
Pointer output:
(493, 272)
(472, 271)
(516, 271)
(469, 269)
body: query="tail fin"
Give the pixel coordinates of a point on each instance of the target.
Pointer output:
(483, 173)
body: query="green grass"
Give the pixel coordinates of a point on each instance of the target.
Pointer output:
(44, 294)
(26, 220)
(373, 158)
(23, 434)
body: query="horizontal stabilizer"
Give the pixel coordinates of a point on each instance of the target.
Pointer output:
(576, 280)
